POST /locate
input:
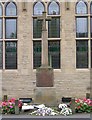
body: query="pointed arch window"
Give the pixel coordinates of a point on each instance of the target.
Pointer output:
(0, 10)
(91, 8)
(53, 8)
(1, 26)
(38, 8)
(82, 58)
(11, 21)
(81, 7)
(81, 21)
(91, 19)
(11, 9)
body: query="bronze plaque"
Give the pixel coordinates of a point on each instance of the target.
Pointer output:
(44, 77)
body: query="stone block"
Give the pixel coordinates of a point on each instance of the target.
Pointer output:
(45, 95)
(44, 77)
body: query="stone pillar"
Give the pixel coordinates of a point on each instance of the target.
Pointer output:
(73, 105)
(16, 107)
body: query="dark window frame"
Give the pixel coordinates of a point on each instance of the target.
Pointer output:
(6, 8)
(5, 27)
(16, 55)
(86, 7)
(49, 6)
(87, 26)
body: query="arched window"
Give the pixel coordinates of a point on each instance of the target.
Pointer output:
(53, 8)
(0, 10)
(82, 57)
(38, 8)
(10, 21)
(91, 8)
(11, 9)
(54, 32)
(81, 7)
(91, 18)
(1, 21)
(11, 34)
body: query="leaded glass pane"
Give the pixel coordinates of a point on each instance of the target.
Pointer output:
(1, 54)
(82, 27)
(1, 29)
(91, 27)
(82, 54)
(91, 8)
(54, 28)
(11, 29)
(81, 8)
(54, 54)
(0, 10)
(11, 55)
(36, 54)
(37, 28)
(11, 9)
(53, 8)
(38, 8)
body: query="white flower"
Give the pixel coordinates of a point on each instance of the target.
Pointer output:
(61, 106)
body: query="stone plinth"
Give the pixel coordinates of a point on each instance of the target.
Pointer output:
(44, 77)
(45, 95)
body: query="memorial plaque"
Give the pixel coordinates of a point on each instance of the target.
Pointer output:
(44, 77)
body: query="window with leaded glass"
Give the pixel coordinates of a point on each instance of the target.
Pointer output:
(37, 28)
(54, 28)
(38, 8)
(53, 8)
(81, 27)
(81, 7)
(91, 7)
(1, 25)
(91, 19)
(36, 54)
(10, 21)
(11, 9)
(0, 10)
(54, 54)
(82, 53)
(11, 55)
(1, 54)
(11, 28)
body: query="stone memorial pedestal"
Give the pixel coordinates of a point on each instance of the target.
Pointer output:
(45, 95)
(44, 77)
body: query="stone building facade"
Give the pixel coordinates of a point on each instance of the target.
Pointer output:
(71, 72)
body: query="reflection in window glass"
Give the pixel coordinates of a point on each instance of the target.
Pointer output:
(11, 9)
(11, 28)
(0, 28)
(36, 54)
(82, 54)
(91, 27)
(81, 27)
(81, 8)
(38, 8)
(0, 10)
(91, 8)
(54, 28)
(1, 54)
(53, 8)
(37, 28)
(54, 54)
(11, 55)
